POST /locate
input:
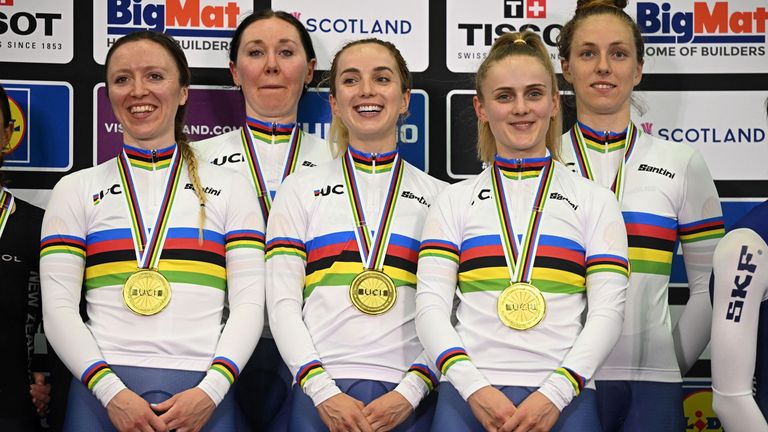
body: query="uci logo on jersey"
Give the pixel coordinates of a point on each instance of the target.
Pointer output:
(113, 190)
(188, 18)
(327, 190)
(707, 23)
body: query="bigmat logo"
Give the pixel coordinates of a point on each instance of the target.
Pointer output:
(211, 111)
(472, 26)
(704, 36)
(734, 143)
(412, 135)
(36, 31)
(402, 22)
(200, 26)
(42, 126)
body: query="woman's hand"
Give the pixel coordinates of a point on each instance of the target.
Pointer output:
(342, 413)
(129, 412)
(491, 407)
(40, 392)
(387, 411)
(187, 411)
(536, 414)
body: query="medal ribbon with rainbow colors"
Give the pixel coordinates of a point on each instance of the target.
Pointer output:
(373, 250)
(521, 305)
(6, 205)
(149, 246)
(582, 157)
(254, 164)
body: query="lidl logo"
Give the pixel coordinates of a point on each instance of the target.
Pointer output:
(699, 415)
(42, 126)
(19, 125)
(525, 8)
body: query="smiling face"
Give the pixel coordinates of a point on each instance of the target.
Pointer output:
(518, 101)
(603, 69)
(272, 69)
(144, 90)
(369, 98)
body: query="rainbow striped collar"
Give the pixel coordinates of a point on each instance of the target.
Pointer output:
(149, 159)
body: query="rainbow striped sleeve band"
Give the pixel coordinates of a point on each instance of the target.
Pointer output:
(450, 357)
(425, 373)
(286, 246)
(576, 380)
(440, 249)
(62, 244)
(94, 373)
(244, 239)
(226, 367)
(706, 229)
(607, 263)
(308, 371)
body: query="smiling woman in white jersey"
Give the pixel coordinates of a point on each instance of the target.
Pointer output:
(530, 246)
(341, 260)
(272, 59)
(160, 245)
(666, 194)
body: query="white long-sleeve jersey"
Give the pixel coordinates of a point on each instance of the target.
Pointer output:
(86, 242)
(740, 324)
(581, 261)
(272, 141)
(312, 258)
(669, 195)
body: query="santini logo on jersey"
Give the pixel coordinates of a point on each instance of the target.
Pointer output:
(560, 197)
(411, 195)
(742, 280)
(653, 169)
(715, 24)
(175, 17)
(208, 190)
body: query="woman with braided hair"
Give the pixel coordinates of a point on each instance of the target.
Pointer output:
(527, 247)
(666, 193)
(160, 244)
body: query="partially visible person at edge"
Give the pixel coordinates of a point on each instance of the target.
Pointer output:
(739, 291)
(532, 248)
(272, 59)
(342, 247)
(158, 260)
(24, 395)
(666, 193)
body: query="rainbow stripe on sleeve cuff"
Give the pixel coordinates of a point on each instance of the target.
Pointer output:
(425, 373)
(286, 246)
(244, 239)
(450, 357)
(706, 229)
(94, 373)
(576, 380)
(62, 244)
(226, 367)
(309, 371)
(607, 263)
(439, 248)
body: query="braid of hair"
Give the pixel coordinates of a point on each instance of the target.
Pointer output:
(191, 160)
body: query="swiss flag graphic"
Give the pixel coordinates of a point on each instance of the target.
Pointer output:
(534, 9)
(6, 2)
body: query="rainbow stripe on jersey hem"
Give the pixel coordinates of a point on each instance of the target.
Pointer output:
(576, 380)
(309, 371)
(425, 373)
(226, 367)
(450, 357)
(95, 373)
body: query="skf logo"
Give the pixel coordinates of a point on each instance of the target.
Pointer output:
(699, 416)
(19, 125)
(176, 17)
(525, 8)
(327, 190)
(741, 282)
(703, 25)
(647, 127)
(112, 190)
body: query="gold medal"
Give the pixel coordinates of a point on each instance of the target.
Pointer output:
(373, 292)
(521, 306)
(146, 292)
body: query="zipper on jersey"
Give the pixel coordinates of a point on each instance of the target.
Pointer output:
(154, 158)
(373, 160)
(519, 169)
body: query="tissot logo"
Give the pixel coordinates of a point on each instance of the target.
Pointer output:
(25, 23)
(525, 8)
(485, 34)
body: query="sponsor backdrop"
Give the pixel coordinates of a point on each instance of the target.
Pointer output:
(705, 83)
